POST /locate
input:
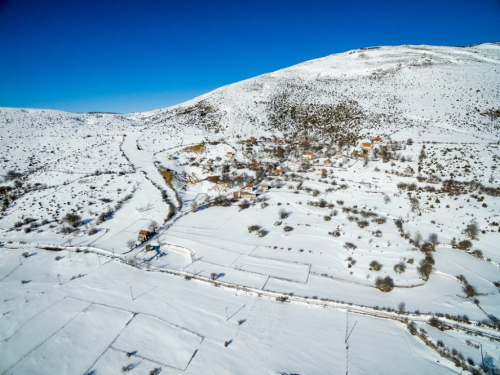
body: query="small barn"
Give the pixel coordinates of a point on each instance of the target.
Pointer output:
(409, 170)
(144, 235)
(322, 171)
(366, 146)
(247, 194)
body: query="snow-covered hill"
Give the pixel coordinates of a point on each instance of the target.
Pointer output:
(341, 215)
(442, 91)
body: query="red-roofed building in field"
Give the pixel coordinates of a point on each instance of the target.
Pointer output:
(366, 145)
(144, 235)
(308, 155)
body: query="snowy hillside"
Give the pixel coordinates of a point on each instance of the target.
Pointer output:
(341, 215)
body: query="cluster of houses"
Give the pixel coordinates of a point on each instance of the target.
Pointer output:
(305, 149)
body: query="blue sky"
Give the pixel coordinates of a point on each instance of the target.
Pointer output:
(127, 56)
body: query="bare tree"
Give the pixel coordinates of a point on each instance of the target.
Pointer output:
(433, 239)
(417, 238)
(153, 226)
(282, 213)
(472, 230)
(130, 244)
(401, 307)
(72, 219)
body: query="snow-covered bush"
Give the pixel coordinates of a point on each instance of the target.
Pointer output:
(384, 284)
(400, 267)
(375, 266)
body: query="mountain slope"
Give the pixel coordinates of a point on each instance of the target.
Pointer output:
(441, 90)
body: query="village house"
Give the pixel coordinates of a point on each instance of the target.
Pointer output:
(144, 235)
(236, 194)
(354, 154)
(366, 146)
(322, 171)
(279, 171)
(308, 155)
(148, 248)
(377, 139)
(339, 155)
(247, 194)
(249, 187)
(328, 162)
(409, 170)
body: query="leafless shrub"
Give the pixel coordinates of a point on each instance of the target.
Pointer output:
(401, 307)
(262, 232)
(472, 230)
(469, 290)
(282, 213)
(153, 226)
(385, 284)
(375, 266)
(427, 247)
(379, 220)
(363, 223)
(478, 254)
(350, 246)
(400, 267)
(72, 219)
(424, 269)
(253, 228)
(244, 204)
(464, 245)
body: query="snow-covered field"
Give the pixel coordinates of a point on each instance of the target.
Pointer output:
(383, 263)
